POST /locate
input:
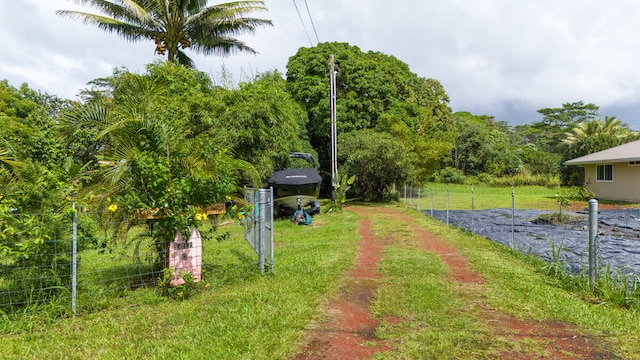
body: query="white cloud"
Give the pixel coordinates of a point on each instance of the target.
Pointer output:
(498, 57)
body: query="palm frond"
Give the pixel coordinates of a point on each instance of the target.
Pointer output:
(185, 60)
(173, 24)
(7, 159)
(115, 164)
(94, 115)
(128, 31)
(126, 10)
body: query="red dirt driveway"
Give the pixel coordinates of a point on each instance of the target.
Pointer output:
(349, 329)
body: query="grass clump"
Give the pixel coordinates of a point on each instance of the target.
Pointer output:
(559, 219)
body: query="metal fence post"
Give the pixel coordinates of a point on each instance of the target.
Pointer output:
(405, 194)
(258, 226)
(411, 195)
(431, 206)
(74, 262)
(419, 190)
(271, 253)
(593, 238)
(447, 204)
(513, 217)
(262, 216)
(472, 207)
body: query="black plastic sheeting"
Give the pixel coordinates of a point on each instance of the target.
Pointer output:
(618, 241)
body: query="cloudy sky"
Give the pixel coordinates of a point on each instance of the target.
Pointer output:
(503, 58)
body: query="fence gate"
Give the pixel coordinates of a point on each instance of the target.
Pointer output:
(258, 225)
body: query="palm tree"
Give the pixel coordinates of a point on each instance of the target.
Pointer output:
(175, 25)
(156, 160)
(596, 135)
(8, 162)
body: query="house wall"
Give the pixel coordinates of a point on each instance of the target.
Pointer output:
(625, 185)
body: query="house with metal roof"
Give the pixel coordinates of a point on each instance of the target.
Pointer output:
(613, 174)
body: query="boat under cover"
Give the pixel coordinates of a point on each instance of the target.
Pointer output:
(296, 189)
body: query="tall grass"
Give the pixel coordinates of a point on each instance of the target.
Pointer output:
(550, 181)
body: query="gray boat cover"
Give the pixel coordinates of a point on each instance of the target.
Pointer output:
(301, 176)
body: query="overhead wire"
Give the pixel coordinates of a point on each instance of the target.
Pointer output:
(301, 21)
(311, 19)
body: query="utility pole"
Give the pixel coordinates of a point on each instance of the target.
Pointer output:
(334, 132)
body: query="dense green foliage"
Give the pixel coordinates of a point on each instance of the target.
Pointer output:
(484, 146)
(374, 91)
(378, 159)
(264, 124)
(169, 143)
(487, 149)
(35, 197)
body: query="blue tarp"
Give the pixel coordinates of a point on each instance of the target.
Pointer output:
(301, 218)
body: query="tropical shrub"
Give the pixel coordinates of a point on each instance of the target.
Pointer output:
(378, 161)
(449, 175)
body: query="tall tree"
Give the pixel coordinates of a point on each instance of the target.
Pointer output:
(379, 161)
(549, 132)
(569, 114)
(175, 25)
(596, 135)
(264, 124)
(374, 91)
(483, 145)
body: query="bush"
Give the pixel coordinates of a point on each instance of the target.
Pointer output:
(178, 292)
(34, 257)
(579, 193)
(449, 175)
(377, 159)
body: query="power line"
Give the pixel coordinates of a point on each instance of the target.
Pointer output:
(301, 21)
(312, 24)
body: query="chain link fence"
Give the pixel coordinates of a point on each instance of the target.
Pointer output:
(548, 226)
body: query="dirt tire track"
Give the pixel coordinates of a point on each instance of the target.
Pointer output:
(349, 331)
(559, 340)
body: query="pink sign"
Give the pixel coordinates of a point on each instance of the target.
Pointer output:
(185, 256)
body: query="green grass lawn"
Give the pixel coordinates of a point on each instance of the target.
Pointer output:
(439, 196)
(436, 196)
(242, 314)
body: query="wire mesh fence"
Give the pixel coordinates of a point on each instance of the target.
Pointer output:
(536, 221)
(84, 268)
(90, 273)
(258, 226)
(30, 277)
